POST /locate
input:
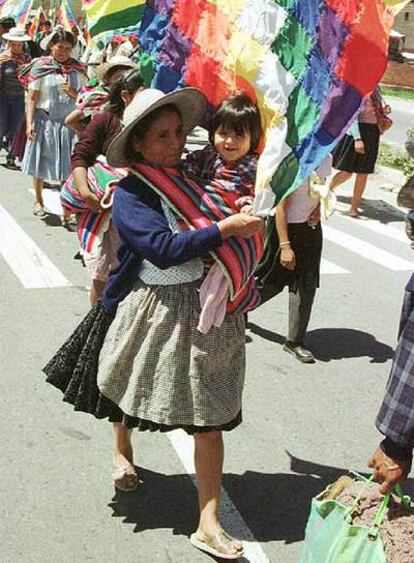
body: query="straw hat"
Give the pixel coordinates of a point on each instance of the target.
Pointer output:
(16, 34)
(116, 62)
(190, 102)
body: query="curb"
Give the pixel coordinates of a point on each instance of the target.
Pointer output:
(392, 175)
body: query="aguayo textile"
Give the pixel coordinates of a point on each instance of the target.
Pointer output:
(42, 66)
(308, 64)
(102, 180)
(199, 207)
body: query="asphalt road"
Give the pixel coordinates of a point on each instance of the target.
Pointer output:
(403, 119)
(303, 425)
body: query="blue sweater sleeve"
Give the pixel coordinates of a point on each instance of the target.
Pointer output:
(145, 230)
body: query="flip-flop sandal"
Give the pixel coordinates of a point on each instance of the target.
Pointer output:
(217, 545)
(123, 480)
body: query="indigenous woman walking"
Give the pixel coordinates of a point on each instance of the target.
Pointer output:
(148, 366)
(357, 152)
(88, 190)
(53, 82)
(11, 91)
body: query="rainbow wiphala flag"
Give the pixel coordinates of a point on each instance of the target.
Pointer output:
(65, 16)
(19, 10)
(308, 64)
(112, 17)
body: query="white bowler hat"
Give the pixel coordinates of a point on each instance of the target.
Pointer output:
(190, 102)
(118, 61)
(16, 34)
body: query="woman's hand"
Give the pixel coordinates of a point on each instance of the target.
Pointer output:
(30, 132)
(91, 200)
(359, 146)
(67, 90)
(388, 471)
(5, 56)
(240, 225)
(287, 257)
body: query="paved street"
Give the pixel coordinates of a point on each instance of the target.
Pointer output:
(303, 425)
(403, 119)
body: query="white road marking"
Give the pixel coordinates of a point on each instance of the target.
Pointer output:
(367, 250)
(28, 262)
(328, 267)
(51, 201)
(375, 226)
(230, 517)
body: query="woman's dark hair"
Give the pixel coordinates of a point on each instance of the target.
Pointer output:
(130, 81)
(61, 35)
(240, 114)
(138, 132)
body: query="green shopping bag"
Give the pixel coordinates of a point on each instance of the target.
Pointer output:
(331, 538)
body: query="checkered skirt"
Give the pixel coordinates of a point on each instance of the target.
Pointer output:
(156, 367)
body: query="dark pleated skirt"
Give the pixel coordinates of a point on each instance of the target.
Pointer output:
(346, 159)
(74, 370)
(306, 243)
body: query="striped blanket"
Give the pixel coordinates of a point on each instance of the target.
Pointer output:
(102, 181)
(201, 206)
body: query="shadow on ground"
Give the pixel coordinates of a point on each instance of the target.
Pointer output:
(275, 506)
(377, 209)
(336, 343)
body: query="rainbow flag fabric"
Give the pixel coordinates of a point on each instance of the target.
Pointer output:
(65, 16)
(19, 10)
(37, 23)
(112, 17)
(308, 64)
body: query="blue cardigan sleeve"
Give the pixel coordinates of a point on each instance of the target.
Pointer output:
(144, 229)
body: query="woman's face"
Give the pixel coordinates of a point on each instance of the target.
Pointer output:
(16, 47)
(164, 141)
(61, 51)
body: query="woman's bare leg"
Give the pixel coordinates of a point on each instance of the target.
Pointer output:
(97, 288)
(208, 458)
(38, 188)
(339, 178)
(359, 188)
(123, 474)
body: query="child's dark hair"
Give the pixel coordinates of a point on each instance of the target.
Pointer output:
(239, 113)
(130, 81)
(61, 35)
(138, 132)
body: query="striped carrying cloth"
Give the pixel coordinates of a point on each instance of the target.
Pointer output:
(201, 206)
(102, 181)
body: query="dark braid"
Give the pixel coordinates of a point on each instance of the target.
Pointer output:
(130, 81)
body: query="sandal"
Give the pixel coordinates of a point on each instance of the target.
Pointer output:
(39, 210)
(218, 545)
(124, 479)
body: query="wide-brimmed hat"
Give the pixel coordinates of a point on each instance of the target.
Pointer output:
(16, 34)
(190, 102)
(116, 62)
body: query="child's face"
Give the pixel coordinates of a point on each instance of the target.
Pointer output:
(231, 145)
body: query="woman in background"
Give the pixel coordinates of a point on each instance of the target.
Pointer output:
(53, 83)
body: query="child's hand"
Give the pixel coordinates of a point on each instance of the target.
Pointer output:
(247, 210)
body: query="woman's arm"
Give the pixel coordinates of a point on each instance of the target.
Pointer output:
(75, 120)
(80, 176)
(32, 98)
(287, 256)
(147, 232)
